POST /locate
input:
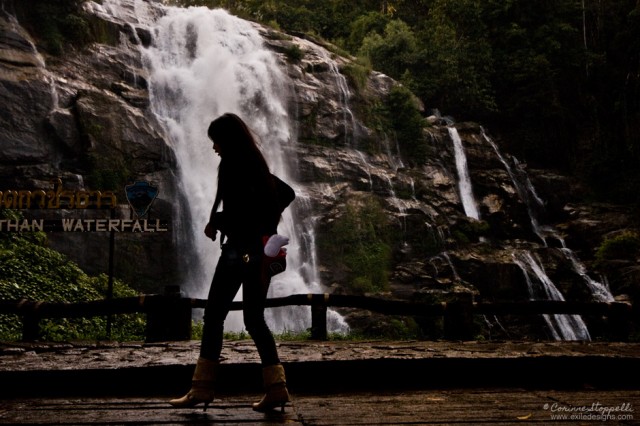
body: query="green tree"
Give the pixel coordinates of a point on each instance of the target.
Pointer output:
(406, 124)
(371, 22)
(453, 70)
(393, 51)
(611, 159)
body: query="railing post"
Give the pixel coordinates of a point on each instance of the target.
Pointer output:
(168, 316)
(319, 316)
(30, 327)
(458, 317)
(619, 321)
(30, 320)
(112, 244)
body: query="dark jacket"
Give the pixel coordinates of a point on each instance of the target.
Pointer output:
(246, 218)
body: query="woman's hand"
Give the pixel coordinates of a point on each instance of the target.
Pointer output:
(210, 231)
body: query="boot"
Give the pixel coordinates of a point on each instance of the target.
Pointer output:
(201, 385)
(275, 385)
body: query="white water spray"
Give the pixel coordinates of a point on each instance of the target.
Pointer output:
(204, 63)
(450, 263)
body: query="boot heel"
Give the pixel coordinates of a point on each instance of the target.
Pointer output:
(206, 404)
(277, 394)
(202, 385)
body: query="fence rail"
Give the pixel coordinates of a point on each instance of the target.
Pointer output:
(169, 316)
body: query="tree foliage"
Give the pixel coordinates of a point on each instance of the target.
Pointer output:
(403, 119)
(622, 246)
(394, 50)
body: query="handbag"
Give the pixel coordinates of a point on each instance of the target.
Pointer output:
(273, 265)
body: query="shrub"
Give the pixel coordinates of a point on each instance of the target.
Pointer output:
(359, 241)
(623, 246)
(294, 53)
(29, 270)
(358, 73)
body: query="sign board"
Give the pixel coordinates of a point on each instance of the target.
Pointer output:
(140, 195)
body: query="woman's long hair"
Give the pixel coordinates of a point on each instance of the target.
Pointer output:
(242, 166)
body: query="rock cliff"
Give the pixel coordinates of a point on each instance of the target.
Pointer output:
(84, 117)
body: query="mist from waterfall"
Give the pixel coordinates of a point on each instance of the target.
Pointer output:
(203, 63)
(464, 181)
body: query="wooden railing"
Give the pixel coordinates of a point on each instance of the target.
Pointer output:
(169, 316)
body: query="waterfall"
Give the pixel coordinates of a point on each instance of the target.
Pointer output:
(528, 195)
(203, 63)
(367, 168)
(464, 181)
(526, 192)
(395, 159)
(349, 120)
(345, 95)
(562, 327)
(599, 290)
(450, 263)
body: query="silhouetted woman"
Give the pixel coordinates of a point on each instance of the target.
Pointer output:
(252, 201)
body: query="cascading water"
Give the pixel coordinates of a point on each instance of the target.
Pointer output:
(366, 168)
(464, 181)
(345, 95)
(528, 195)
(450, 263)
(599, 290)
(203, 63)
(395, 159)
(351, 140)
(563, 327)
(526, 192)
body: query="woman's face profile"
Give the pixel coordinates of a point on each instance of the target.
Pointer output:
(217, 148)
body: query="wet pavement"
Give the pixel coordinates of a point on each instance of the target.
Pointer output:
(398, 364)
(510, 406)
(331, 382)
(19, 356)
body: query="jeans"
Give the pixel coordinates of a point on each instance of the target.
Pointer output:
(231, 272)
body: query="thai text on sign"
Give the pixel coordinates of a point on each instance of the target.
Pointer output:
(57, 198)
